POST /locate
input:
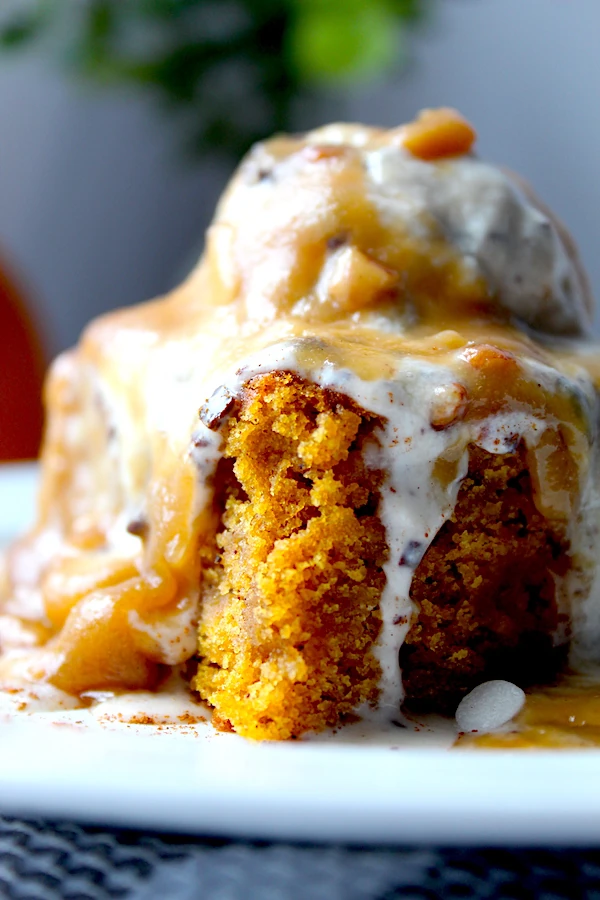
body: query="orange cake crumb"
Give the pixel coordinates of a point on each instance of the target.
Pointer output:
(293, 610)
(485, 591)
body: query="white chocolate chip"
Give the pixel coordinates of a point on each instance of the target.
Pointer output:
(489, 706)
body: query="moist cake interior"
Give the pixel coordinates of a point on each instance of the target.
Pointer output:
(291, 605)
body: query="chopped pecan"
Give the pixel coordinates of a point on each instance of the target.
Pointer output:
(218, 408)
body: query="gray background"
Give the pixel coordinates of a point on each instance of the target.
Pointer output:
(99, 209)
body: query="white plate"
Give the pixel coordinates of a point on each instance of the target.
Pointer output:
(400, 787)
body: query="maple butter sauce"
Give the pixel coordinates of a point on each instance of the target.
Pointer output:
(391, 266)
(564, 715)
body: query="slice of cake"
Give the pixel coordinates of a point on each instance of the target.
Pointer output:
(350, 463)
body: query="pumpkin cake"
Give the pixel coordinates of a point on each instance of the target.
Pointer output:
(349, 465)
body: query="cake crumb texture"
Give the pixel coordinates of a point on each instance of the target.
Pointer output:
(485, 589)
(291, 604)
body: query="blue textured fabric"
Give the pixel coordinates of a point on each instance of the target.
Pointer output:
(44, 861)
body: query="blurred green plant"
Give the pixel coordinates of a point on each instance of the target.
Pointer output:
(232, 67)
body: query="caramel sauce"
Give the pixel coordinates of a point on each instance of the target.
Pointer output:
(564, 716)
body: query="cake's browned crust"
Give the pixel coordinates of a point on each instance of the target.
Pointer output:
(484, 590)
(291, 604)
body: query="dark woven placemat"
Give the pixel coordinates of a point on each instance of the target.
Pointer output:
(45, 861)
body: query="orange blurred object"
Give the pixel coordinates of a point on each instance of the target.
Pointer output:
(438, 133)
(21, 377)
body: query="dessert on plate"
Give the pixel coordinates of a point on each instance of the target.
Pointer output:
(349, 465)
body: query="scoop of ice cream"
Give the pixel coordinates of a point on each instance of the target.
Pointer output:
(501, 231)
(387, 194)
